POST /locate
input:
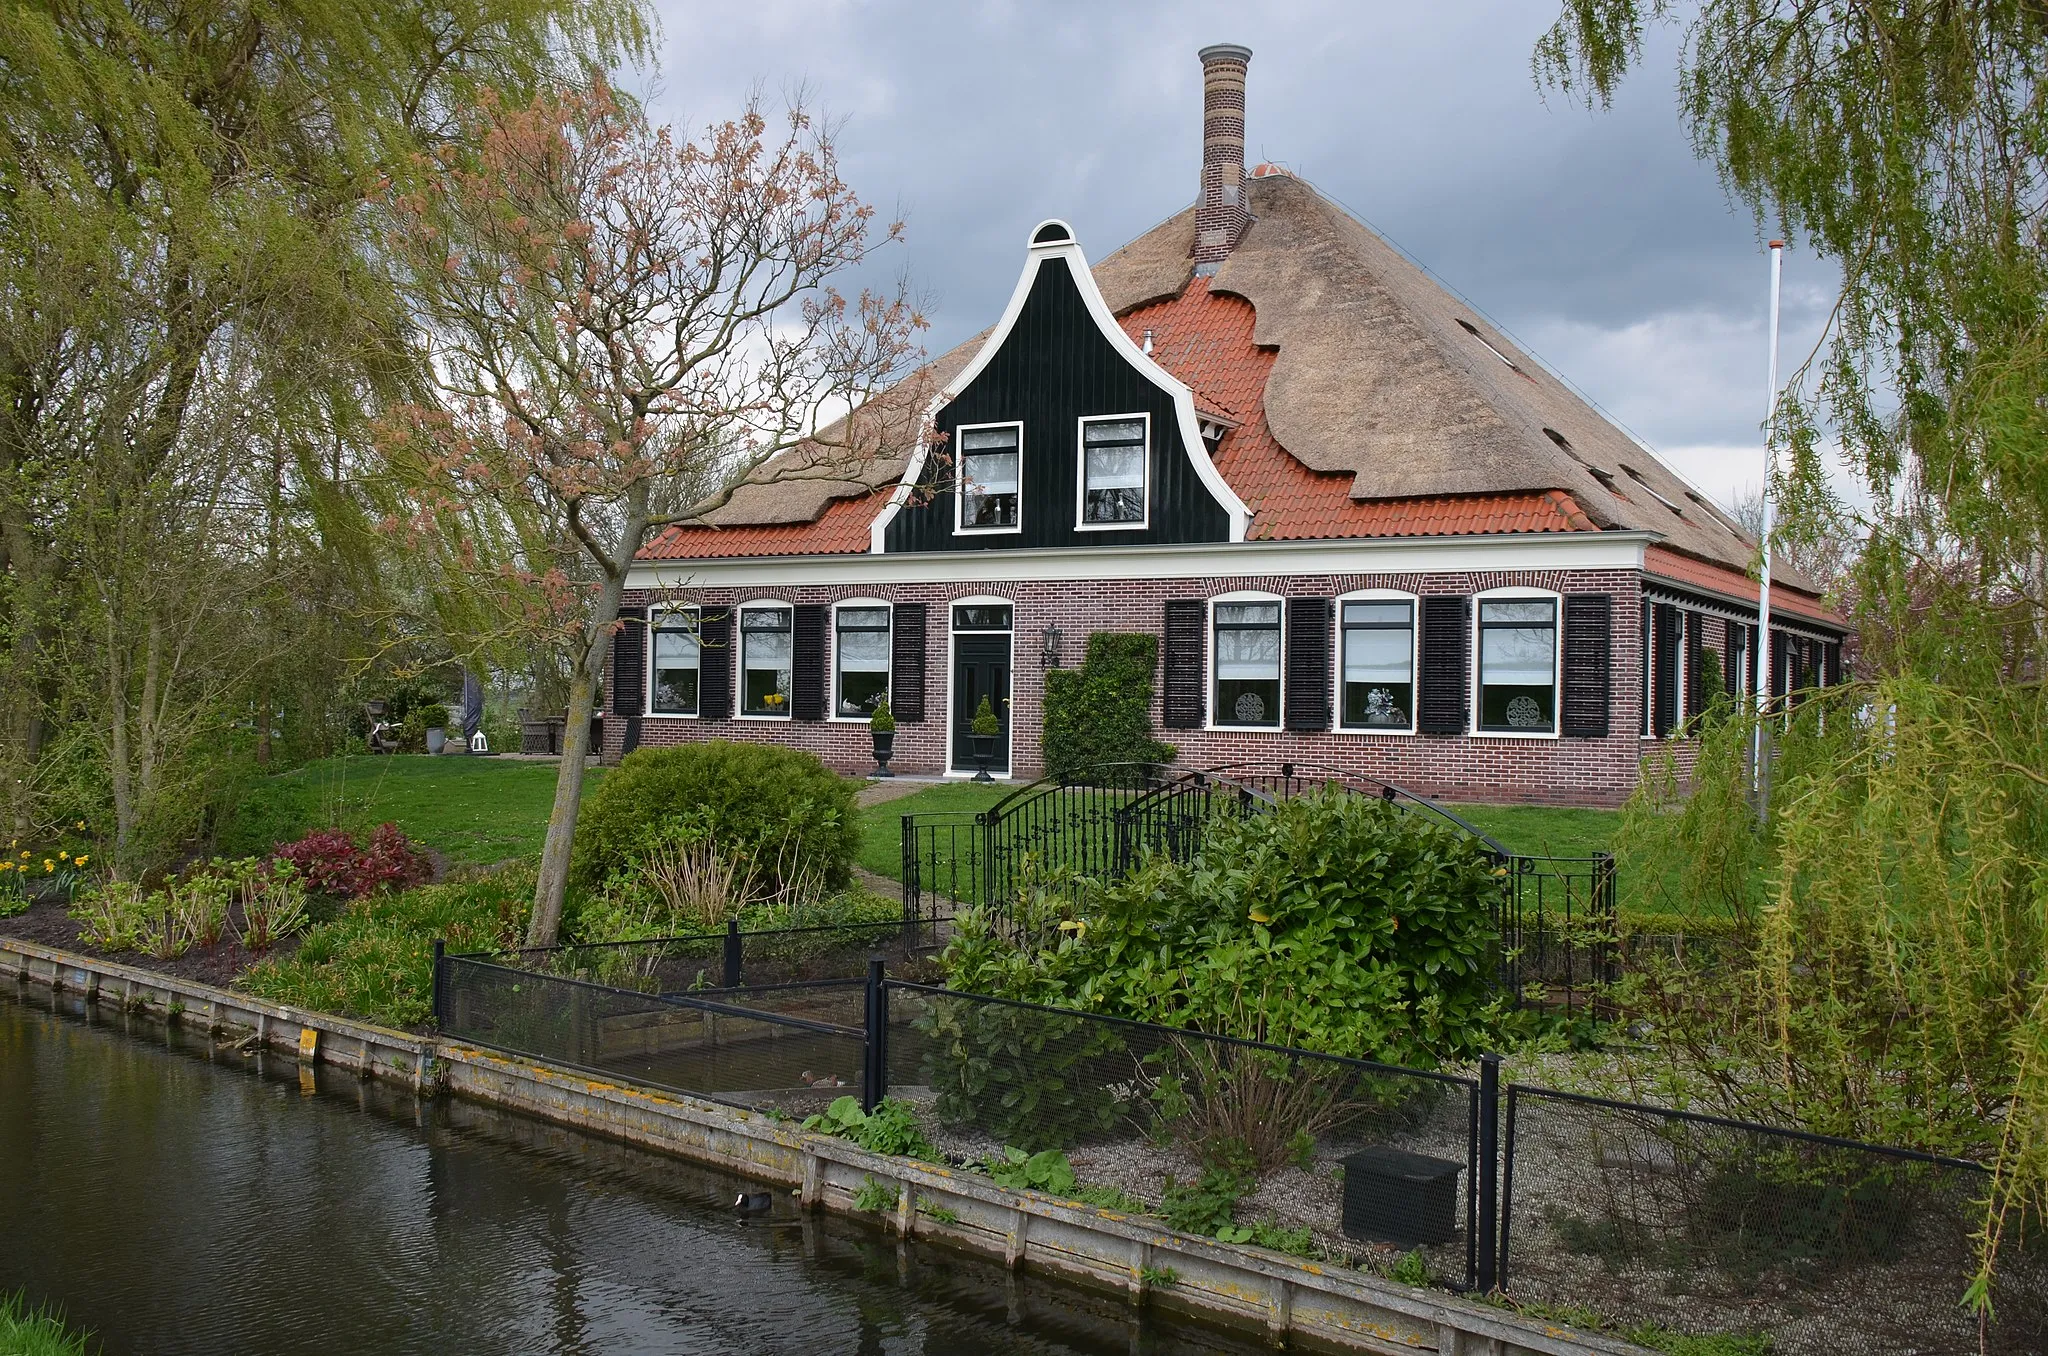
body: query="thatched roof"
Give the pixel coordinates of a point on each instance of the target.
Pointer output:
(1370, 373)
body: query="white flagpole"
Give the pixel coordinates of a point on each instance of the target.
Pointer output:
(1763, 628)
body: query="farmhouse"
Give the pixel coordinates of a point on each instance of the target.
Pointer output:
(1367, 531)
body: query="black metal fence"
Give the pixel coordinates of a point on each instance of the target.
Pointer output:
(1646, 1215)
(1331, 1154)
(1555, 916)
(1702, 1224)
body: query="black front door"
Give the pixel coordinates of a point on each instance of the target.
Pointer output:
(981, 666)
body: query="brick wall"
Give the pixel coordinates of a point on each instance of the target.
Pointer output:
(1552, 771)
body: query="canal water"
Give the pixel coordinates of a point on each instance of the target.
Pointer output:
(174, 1195)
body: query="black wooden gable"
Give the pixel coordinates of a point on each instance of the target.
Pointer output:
(1055, 368)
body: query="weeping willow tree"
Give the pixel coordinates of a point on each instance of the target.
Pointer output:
(1892, 977)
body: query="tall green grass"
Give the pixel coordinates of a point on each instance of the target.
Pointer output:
(38, 1331)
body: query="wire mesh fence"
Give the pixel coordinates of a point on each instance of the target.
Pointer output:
(1335, 1151)
(791, 1047)
(735, 958)
(1708, 1225)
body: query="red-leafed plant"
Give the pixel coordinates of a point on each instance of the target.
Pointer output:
(331, 862)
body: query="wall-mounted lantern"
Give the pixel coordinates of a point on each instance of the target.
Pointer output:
(1052, 647)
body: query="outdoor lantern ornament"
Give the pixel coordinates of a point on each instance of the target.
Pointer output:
(1052, 647)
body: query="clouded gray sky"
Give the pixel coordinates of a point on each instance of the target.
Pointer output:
(1595, 238)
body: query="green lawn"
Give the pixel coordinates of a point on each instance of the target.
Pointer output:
(478, 810)
(881, 826)
(1544, 830)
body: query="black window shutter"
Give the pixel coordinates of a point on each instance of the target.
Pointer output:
(1831, 655)
(1734, 654)
(1183, 698)
(1695, 688)
(1308, 663)
(1781, 664)
(807, 663)
(1446, 649)
(628, 695)
(714, 665)
(906, 663)
(1666, 656)
(1588, 664)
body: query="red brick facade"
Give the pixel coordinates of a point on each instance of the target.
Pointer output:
(1576, 771)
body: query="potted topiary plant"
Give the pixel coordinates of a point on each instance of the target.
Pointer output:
(984, 728)
(882, 725)
(436, 720)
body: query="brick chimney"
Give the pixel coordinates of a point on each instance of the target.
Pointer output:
(1221, 216)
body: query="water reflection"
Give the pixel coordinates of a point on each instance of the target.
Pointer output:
(257, 1206)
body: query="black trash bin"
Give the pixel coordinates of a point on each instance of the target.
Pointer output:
(1393, 1196)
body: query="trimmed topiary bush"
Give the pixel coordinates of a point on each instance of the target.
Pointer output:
(787, 813)
(1102, 712)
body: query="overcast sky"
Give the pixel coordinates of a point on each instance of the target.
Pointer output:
(1595, 239)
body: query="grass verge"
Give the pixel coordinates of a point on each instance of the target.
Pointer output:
(376, 960)
(38, 1331)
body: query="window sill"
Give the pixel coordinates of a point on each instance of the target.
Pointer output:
(1247, 729)
(752, 716)
(670, 715)
(1374, 730)
(988, 531)
(1515, 734)
(1112, 527)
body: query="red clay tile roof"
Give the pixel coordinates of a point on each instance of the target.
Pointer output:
(841, 530)
(1665, 563)
(1205, 339)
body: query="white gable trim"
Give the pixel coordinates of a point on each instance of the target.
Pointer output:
(1067, 250)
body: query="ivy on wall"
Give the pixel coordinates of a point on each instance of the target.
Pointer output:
(1102, 711)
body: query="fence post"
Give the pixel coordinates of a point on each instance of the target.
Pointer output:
(874, 1081)
(733, 955)
(1489, 1171)
(440, 963)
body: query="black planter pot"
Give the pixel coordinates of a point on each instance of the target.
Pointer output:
(885, 749)
(984, 754)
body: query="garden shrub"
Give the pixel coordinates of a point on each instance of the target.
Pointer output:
(331, 862)
(1025, 1077)
(263, 813)
(1102, 712)
(376, 960)
(1333, 922)
(788, 815)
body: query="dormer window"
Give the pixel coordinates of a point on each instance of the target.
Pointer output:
(1113, 471)
(990, 459)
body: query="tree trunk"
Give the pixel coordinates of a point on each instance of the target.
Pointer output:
(548, 892)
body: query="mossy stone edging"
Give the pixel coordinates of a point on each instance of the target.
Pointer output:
(1294, 1301)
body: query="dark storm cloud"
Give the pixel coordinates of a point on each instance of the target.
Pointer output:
(1595, 237)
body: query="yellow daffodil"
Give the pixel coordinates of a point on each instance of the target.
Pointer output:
(81, 823)
(79, 860)
(49, 865)
(24, 854)
(6, 866)
(1261, 916)
(62, 855)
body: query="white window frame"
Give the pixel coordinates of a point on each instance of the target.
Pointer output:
(960, 528)
(1414, 660)
(1081, 523)
(1648, 612)
(1279, 725)
(653, 627)
(1520, 594)
(832, 698)
(953, 634)
(739, 668)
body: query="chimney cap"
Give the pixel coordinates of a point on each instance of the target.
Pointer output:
(1225, 51)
